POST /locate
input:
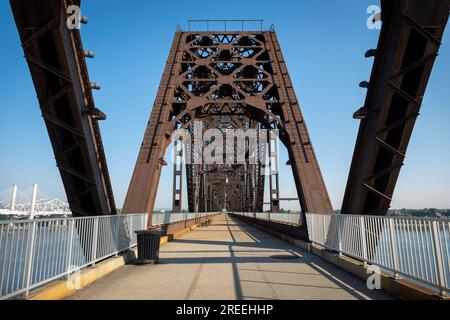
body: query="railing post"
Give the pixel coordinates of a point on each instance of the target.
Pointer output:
(118, 224)
(69, 247)
(30, 254)
(324, 232)
(363, 238)
(94, 242)
(438, 257)
(393, 247)
(313, 232)
(131, 232)
(339, 234)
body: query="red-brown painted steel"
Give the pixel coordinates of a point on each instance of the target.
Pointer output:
(57, 64)
(408, 46)
(226, 80)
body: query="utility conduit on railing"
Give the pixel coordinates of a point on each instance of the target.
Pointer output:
(36, 252)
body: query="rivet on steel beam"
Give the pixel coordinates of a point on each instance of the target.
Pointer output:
(89, 54)
(95, 86)
(370, 53)
(83, 19)
(360, 114)
(364, 84)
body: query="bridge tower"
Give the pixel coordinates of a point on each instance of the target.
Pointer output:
(226, 80)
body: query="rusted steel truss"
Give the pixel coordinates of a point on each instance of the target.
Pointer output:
(226, 80)
(409, 42)
(57, 64)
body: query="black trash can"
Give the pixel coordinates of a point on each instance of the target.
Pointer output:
(148, 242)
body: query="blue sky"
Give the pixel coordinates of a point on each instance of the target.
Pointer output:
(323, 43)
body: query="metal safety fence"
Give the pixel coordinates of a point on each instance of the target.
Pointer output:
(36, 252)
(417, 248)
(294, 218)
(159, 218)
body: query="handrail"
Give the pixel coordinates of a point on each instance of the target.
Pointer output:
(416, 248)
(36, 252)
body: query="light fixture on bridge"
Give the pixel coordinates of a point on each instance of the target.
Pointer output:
(370, 53)
(89, 54)
(289, 162)
(162, 162)
(364, 84)
(83, 19)
(361, 113)
(98, 115)
(95, 86)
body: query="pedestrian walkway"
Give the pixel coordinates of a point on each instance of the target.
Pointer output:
(230, 260)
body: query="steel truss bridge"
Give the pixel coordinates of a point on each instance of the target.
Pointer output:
(230, 80)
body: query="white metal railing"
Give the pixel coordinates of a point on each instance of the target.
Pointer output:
(417, 248)
(294, 218)
(165, 218)
(35, 252)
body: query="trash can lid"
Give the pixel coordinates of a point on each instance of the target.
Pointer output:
(156, 232)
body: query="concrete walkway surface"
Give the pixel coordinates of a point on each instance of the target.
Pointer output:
(230, 260)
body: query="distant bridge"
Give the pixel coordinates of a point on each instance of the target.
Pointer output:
(30, 203)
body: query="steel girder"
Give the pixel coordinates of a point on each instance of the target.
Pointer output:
(57, 64)
(226, 80)
(408, 45)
